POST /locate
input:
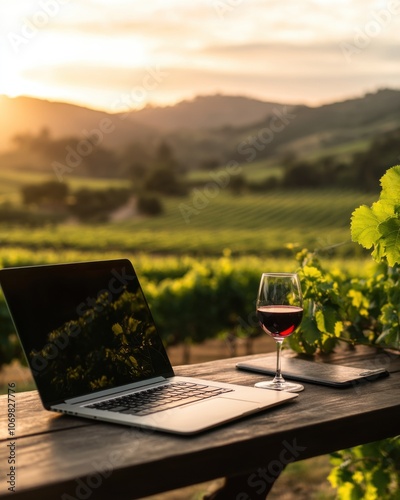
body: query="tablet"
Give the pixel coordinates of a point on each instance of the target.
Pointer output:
(313, 372)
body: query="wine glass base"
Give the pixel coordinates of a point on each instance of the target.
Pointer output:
(286, 386)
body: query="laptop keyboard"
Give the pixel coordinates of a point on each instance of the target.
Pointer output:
(159, 398)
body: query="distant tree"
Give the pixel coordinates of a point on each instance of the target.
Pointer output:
(136, 172)
(164, 181)
(369, 166)
(301, 174)
(23, 141)
(149, 205)
(137, 153)
(210, 164)
(42, 140)
(237, 184)
(101, 162)
(51, 192)
(165, 159)
(39, 143)
(96, 205)
(165, 156)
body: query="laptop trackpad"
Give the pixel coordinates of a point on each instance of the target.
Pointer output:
(195, 417)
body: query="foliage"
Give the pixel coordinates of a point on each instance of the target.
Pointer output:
(208, 299)
(11, 215)
(164, 181)
(247, 225)
(341, 308)
(149, 205)
(370, 165)
(361, 170)
(372, 471)
(51, 192)
(96, 205)
(378, 226)
(125, 337)
(84, 156)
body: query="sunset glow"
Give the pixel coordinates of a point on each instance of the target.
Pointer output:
(92, 52)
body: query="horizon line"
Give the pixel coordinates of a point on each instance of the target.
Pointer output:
(154, 105)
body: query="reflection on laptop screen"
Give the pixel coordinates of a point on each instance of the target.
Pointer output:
(84, 328)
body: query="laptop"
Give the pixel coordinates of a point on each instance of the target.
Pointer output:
(94, 351)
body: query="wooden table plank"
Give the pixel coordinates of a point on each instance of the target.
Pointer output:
(68, 453)
(31, 418)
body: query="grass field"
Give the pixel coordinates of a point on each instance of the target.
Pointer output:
(202, 224)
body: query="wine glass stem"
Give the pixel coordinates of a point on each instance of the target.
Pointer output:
(278, 375)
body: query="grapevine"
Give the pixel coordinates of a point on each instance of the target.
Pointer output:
(372, 470)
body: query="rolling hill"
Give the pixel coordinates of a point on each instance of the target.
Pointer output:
(212, 128)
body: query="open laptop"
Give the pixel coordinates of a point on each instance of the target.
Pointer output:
(94, 351)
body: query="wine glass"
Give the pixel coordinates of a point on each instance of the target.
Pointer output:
(279, 310)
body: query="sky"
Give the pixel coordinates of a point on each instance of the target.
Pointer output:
(119, 54)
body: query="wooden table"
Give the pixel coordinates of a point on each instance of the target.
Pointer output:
(70, 458)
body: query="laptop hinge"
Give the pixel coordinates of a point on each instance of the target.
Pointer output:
(115, 390)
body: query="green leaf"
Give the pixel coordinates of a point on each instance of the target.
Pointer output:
(328, 343)
(379, 252)
(133, 361)
(310, 331)
(359, 301)
(390, 231)
(330, 318)
(339, 327)
(117, 329)
(390, 183)
(364, 226)
(380, 480)
(312, 273)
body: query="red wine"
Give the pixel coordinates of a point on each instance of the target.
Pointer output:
(279, 321)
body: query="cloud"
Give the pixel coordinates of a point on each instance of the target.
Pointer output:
(176, 83)
(94, 50)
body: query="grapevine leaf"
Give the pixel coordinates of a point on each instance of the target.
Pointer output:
(133, 361)
(328, 343)
(380, 480)
(326, 319)
(383, 210)
(338, 328)
(364, 226)
(312, 273)
(310, 331)
(390, 337)
(390, 231)
(359, 301)
(379, 251)
(117, 329)
(295, 343)
(390, 183)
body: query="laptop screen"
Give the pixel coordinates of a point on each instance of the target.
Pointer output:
(84, 327)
